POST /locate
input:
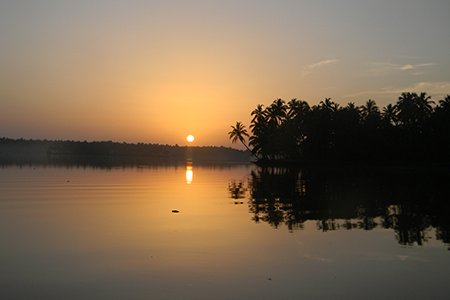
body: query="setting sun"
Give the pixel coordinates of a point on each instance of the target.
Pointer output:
(190, 138)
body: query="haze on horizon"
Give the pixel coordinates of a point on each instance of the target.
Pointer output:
(157, 71)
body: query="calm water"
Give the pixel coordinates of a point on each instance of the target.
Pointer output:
(240, 233)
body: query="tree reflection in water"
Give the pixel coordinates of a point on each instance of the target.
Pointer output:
(236, 189)
(411, 202)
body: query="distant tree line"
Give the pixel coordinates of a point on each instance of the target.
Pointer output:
(413, 129)
(13, 150)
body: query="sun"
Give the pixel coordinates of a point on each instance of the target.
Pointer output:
(190, 138)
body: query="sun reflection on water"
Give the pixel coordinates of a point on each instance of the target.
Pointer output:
(189, 174)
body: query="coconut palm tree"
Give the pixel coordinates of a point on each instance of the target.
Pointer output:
(370, 108)
(296, 108)
(351, 106)
(424, 104)
(413, 109)
(406, 109)
(239, 132)
(293, 106)
(328, 104)
(445, 103)
(260, 132)
(277, 112)
(258, 112)
(390, 114)
(441, 121)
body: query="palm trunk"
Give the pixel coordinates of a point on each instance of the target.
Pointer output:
(250, 150)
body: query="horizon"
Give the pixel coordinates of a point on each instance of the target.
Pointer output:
(156, 72)
(121, 142)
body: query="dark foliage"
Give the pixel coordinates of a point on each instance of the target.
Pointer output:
(414, 129)
(109, 153)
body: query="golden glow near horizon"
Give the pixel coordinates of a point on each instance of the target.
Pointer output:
(190, 138)
(147, 71)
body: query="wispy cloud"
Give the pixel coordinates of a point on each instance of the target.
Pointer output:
(383, 68)
(410, 67)
(306, 70)
(437, 89)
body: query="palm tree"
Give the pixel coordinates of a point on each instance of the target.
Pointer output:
(239, 132)
(424, 103)
(327, 103)
(370, 108)
(441, 121)
(406, 109)
(413, 109)
(259, 140)
(297, 108)
(293, 107)
(352, 106)
(258, 112)
(390, 114)
(445, 103)
(277, 112)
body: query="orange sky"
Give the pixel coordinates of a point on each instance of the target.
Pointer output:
(154, 72)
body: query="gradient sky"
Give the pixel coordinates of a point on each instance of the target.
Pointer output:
(156, 71)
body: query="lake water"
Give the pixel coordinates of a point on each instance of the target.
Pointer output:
(240, 232)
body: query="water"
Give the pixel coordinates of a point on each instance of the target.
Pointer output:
(240, 232)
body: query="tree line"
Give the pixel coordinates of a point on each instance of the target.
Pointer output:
(109, 152)
(414, 129)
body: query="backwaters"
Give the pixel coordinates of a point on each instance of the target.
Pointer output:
(228, 231)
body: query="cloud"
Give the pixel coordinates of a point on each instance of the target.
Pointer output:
(306, 70)
(383, 68)
(410, 67)
(435, 89)
(407, 67)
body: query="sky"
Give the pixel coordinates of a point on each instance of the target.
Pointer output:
(157, 71)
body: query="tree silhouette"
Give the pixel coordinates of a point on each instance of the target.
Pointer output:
(413, 109)
(276, 112)
(259, 139)
(239, 132)
(410, 130)
(390, 115)
(328, 104)
(441, 130)
(369, 109)
(258, 112)
(445, 103)
(425, 104)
